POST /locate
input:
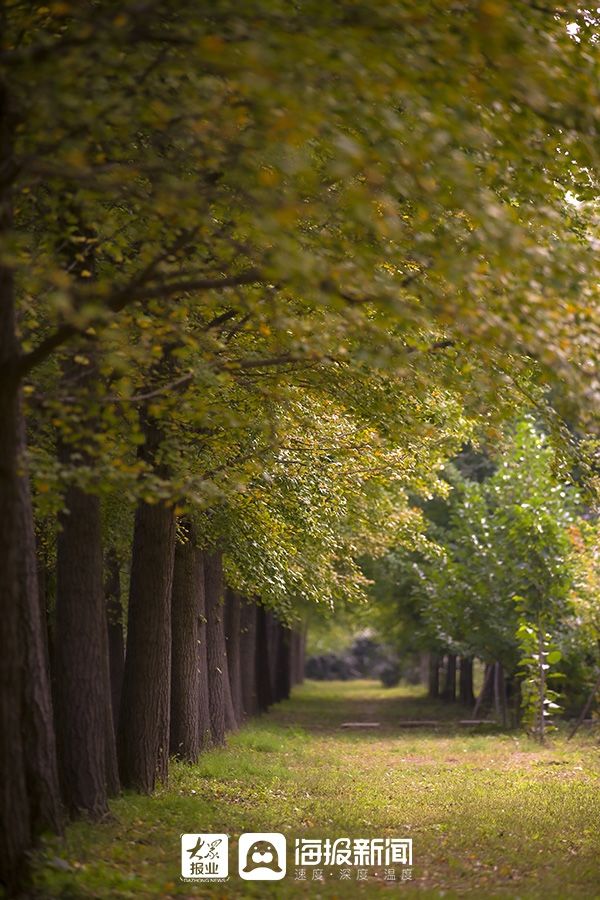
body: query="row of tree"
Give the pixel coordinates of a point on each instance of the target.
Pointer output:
(214, 660)
(261, 272)
(512, 565)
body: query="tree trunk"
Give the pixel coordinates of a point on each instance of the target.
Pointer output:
(449, 692)
(294, 656)
(111, 722)
(38, 718)
(433, 690)
(500, 693)
(114, 626)
(44, 577)
(248, 657)
(264, 693)
(144, 716)
(302, 655)
(232, 637)
(466, 680)
(298, 639)
(486, 694)
(204, 727)
(15, 825)
(222, 717)
(283, 662)
(273, 637)
(188, 586)
(81, 683)
(113, 783)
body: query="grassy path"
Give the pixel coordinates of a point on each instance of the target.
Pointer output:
(489, 814)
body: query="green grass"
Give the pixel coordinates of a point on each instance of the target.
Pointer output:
(490, 813)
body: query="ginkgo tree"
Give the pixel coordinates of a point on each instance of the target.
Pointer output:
(189, 195)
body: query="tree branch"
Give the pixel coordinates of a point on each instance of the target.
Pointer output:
(123, 297)
(220, 320)
(245, 364)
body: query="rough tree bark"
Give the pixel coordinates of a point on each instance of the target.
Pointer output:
(232, 637)
(45, 576)
(248, 657)
(113, 783)
(38, 718)
(82, 690)
(203, 689)
(85, 730)
(222, 717)
(188, 585)
(114, 627)
(144, 717)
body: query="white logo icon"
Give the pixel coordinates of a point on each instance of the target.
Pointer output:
(261, 856)
(204, 856)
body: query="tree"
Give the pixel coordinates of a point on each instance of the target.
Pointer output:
(186, 659)
(222, 714)
(233, 626)
(395, 220)
(85, 730)
(114, 624)
(144, 717)
(499, 539)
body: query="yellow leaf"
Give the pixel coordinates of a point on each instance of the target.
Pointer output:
(268, 177)
(212, 43)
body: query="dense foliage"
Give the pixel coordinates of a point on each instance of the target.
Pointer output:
(505, 564)
(264, 269)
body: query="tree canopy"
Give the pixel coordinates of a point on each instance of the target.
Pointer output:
(264, 270)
